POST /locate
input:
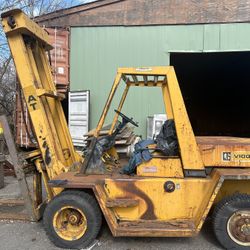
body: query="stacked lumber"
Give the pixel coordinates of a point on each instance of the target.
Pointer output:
(123, 140)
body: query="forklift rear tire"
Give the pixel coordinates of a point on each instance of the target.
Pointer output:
(72, 219)
(231, 222)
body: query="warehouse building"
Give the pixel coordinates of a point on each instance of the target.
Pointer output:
(208, 42)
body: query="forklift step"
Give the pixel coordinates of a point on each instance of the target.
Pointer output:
(156, 228)
(121, 203)
(174, 224)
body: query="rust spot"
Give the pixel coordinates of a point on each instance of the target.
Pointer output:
(47, 153)
(47, 156)
(44, 144)
(130, 187)
(66, 153)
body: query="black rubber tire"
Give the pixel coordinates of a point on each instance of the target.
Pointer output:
(90, 208)
(222, 213)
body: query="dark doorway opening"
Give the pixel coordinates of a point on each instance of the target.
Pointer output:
(216, 91)
(65, 107)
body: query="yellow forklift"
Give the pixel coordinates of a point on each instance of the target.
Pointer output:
(166, 189)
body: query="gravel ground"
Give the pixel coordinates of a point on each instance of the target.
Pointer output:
(23, 235)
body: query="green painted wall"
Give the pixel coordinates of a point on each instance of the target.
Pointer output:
(96, 53)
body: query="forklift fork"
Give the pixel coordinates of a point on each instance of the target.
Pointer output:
(31, 204)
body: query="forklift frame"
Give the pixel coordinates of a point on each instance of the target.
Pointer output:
(175, 201)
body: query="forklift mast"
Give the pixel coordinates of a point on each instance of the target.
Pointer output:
(29, 45)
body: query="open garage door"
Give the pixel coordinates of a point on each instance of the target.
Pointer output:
(216, 89)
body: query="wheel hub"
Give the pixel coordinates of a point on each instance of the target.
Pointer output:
(74, 219)
(238, 228)
(70, 223)
(245, 229)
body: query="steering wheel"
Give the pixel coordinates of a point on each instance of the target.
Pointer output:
(130, 120)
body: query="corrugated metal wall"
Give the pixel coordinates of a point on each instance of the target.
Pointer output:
(96, 52)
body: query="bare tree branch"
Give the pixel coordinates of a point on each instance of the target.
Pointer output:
(7, 70)
(4, 68)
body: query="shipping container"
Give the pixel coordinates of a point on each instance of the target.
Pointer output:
(59, 59)
(59, 56)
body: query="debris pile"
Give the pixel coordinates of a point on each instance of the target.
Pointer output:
(124, 141)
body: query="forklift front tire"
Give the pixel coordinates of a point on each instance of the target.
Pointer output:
(231, 222)
(72, 219)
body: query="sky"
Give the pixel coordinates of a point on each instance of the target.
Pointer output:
(73, 3)
(86, 1)
(5, 5)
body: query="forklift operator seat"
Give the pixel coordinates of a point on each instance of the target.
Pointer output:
(166, 143)
(166, 140)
